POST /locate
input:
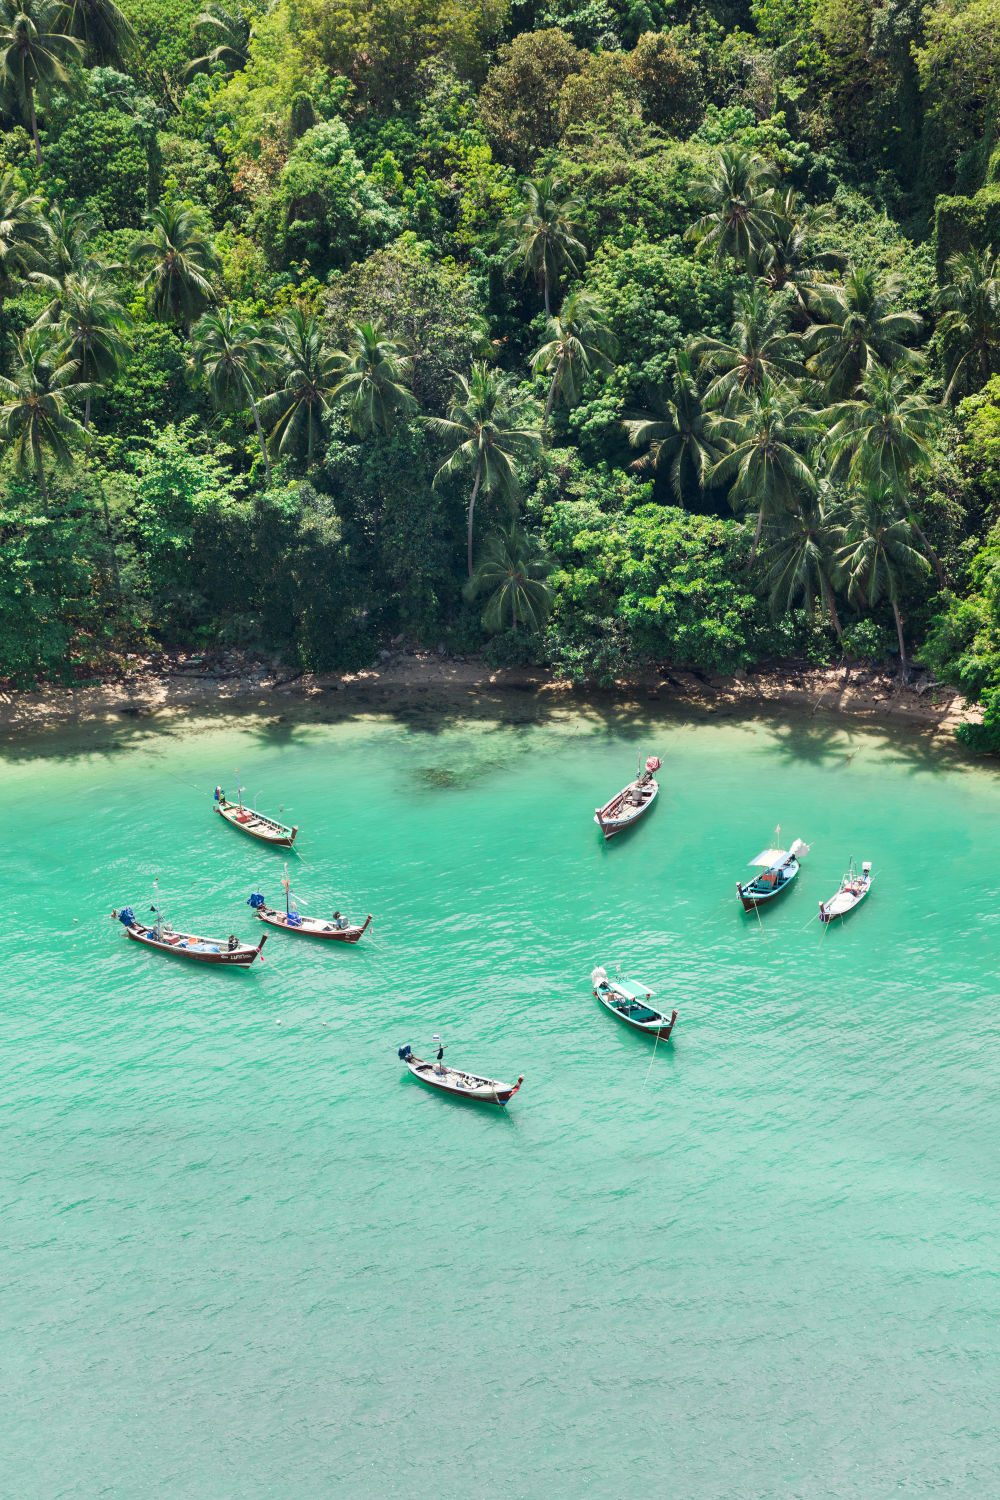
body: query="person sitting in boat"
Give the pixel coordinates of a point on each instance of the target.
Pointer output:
(233, 942)
(635, 795)
(341, 923)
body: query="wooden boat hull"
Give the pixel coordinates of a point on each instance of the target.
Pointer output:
(463, 1085)
(209, 950)
(659, 1025)
(617, 815)
(256, 825)
(751, 899)
(313, 927)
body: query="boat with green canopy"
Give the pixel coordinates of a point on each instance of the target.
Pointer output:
(631, 1005)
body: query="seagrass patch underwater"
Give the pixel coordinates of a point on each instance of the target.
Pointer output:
(249, 1255)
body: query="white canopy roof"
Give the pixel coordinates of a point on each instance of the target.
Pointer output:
(770, 859)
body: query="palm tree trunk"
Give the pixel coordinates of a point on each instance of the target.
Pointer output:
(756, 536)
(34, 124)
(111, 544)
(40, 471)
(930, 553)
(904, 665)
(545, 272)
(831, 610)
(472, 508)
(549, 400)
(263, 444)
(86, 414)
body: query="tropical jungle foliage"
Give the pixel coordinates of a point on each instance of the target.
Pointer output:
(606, 336)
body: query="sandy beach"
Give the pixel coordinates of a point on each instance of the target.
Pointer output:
(158, 687)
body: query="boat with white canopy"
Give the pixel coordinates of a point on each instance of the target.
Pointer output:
(778, 868)
(853, 890)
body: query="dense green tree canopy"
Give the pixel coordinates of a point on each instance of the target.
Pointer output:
(611, 334)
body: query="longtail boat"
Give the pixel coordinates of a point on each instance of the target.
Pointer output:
(853, 890)
(778, 868)
(335, 929)
(201, 950)
(634, 1009)
(248, 820)
(457, 1082)
(631, 803)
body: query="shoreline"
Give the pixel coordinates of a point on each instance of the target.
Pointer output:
(160, 688)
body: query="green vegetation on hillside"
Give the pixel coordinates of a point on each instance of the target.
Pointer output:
(601, 335)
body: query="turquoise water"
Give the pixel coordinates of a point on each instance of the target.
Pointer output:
(250, 1256)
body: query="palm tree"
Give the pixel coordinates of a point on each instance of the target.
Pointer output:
(862, 326)
(92, 330)
(106, 33)
(884, 432)
(791, 256)
(883, 437)
(580, 341)
(34, 52)
(374, 374)
(34, 404)
(513, 569)
(798, 557)
(760, 348)
(678, 432)
(485, 431)
(309, 371)
(878, 554)
(765, 433)
(230, 32)
(22, 236)
(970, 321)
(546, 234)
(180, 258)
(69, 234)
(738, 201)
(232, 353)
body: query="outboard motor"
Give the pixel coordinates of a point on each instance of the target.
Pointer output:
(256, 901)
(220, 795)
(404, 1053)
(127, 916)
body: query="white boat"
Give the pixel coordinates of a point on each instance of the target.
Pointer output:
(631, 1005)
(455, 1081)
(629, 805)
(853, 890)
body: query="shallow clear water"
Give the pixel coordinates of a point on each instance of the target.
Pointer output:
(258, 1259)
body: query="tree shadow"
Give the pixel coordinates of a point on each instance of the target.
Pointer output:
(824, 738)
